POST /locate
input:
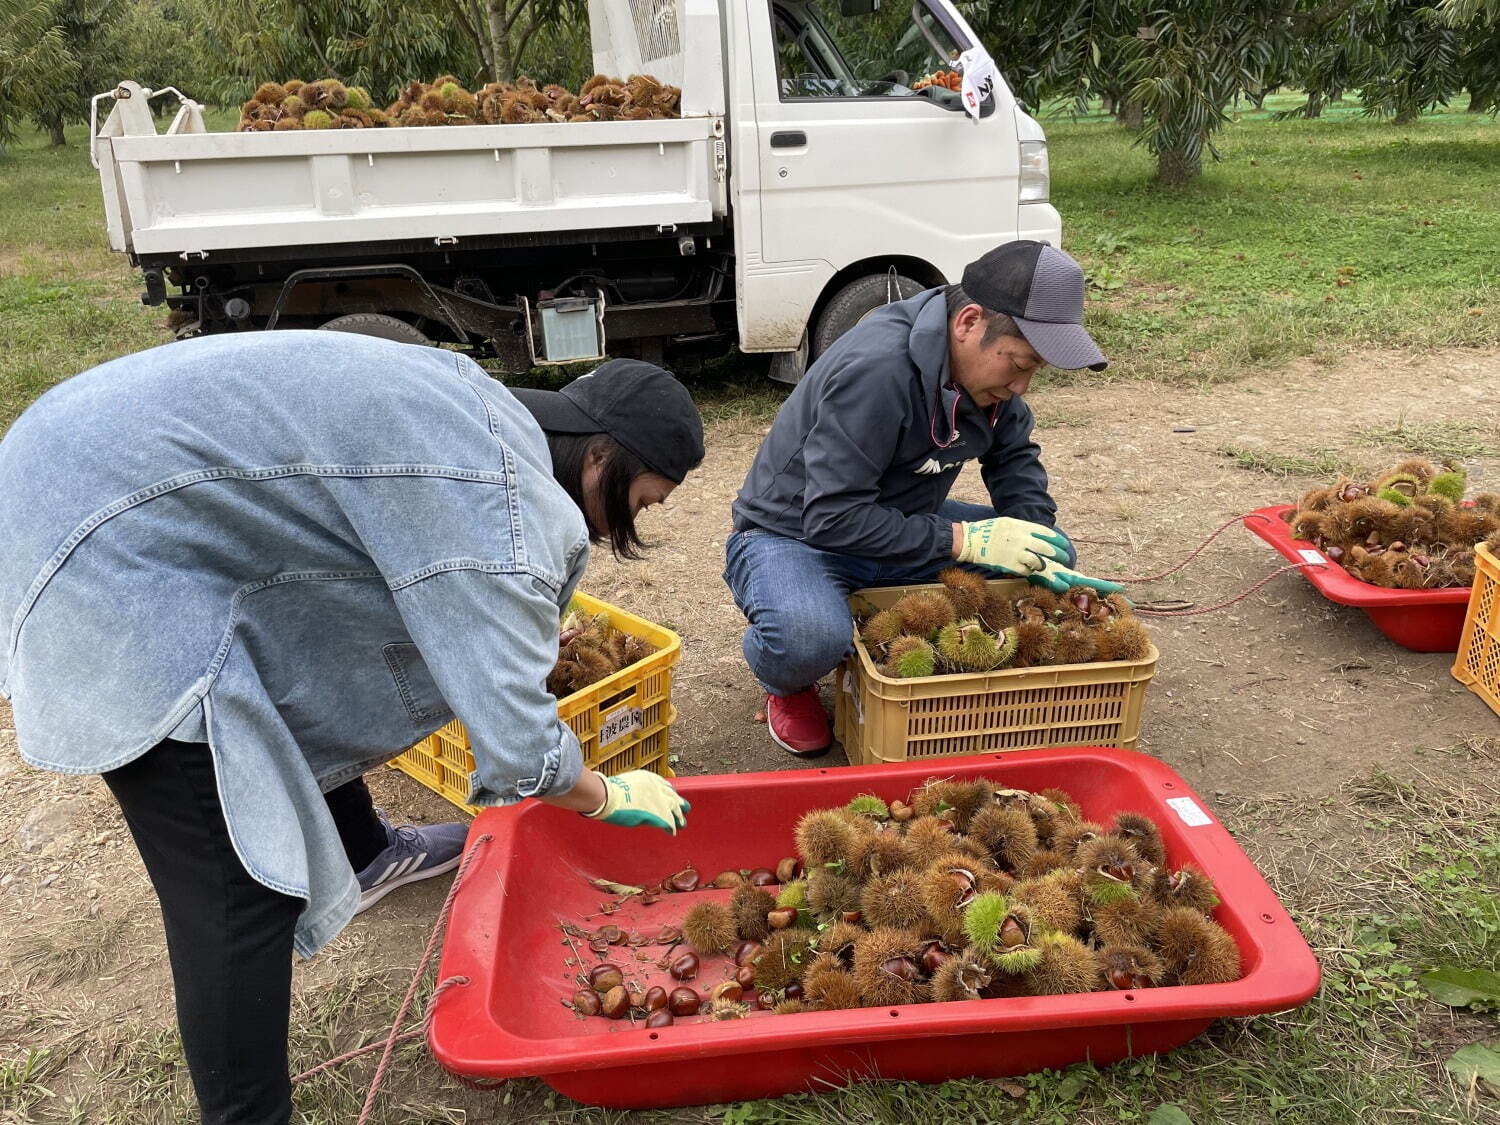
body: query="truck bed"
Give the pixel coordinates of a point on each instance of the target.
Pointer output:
(193, 193)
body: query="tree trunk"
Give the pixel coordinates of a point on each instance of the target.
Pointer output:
(1175, 167)
(1406, 115)
(1130, 115)
(54, 127)
(1314, 105)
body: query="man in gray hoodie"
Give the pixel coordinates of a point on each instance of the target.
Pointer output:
(850, 487)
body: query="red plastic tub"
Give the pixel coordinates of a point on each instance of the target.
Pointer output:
(1421, 620)
(510, 1019)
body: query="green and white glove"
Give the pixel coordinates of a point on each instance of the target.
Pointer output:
(1011, 546)
(1058, 578)
(641, 798)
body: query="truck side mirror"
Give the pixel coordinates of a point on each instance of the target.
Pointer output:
(858, 7)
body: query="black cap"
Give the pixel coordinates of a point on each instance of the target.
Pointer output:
(1041, 289)
(638, 404)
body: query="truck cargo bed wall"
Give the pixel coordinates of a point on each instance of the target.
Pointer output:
(199, 193)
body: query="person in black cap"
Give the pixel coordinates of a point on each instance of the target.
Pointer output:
(850, 487)
(239, 571)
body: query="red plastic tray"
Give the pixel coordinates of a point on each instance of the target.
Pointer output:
(509, 1020)
(1421, 620)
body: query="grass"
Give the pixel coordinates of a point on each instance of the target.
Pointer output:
(1435, 439)
(1320, 463)
(1307, 239)
(73, 952)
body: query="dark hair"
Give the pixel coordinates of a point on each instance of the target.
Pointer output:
(570, 452)
(996, 324)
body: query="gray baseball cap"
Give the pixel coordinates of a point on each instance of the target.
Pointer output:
(1041, 289)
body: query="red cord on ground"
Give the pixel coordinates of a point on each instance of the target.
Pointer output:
(396, 1036)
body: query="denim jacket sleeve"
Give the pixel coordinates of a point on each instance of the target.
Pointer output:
(489, 640)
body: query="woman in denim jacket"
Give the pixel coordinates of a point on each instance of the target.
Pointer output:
(237, 572)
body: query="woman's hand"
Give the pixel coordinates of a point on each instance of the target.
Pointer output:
(640, 798)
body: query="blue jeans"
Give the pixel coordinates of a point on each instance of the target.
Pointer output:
(796, 599)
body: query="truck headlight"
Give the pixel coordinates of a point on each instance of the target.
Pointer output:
(1036, 177)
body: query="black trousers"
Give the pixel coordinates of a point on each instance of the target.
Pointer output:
(229, 938)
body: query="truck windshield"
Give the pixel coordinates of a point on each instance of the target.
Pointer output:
(897, 51)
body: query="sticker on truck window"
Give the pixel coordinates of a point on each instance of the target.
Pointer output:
(620, 722)
(1188, 811)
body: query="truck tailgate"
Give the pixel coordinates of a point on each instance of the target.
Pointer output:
(201, 192)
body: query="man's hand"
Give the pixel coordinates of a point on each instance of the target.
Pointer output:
(1011, 546)
(1059, 578)
(641, 798)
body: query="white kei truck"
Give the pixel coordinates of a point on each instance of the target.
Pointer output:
(806, 182)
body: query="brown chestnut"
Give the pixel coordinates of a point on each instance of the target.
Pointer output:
(746, 951)
(745, 975)
(793, 991)
(762, 877)
(902, 968)
(932, 958)
(656, 998)
(853, 917)
(782, 917)
(616, 1004)
(787, 869)
(659, 1018)
(684, 881)
(669, 935)
(637, 999)
(901, 811)
(683, 1002)
(684, 967)
(727, 990)
(1011, 933)
(727, 880)
(586, 1003)
(606, 976)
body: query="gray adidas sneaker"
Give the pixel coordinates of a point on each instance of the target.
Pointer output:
(412, 854)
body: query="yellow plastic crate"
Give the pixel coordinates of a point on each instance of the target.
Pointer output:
(880, 719)
(622, 722)
(1477, 664)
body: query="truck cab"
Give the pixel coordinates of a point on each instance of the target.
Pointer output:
(823, 164)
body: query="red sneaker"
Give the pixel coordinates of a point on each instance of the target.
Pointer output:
(799, 724)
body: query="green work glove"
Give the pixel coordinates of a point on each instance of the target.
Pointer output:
(1059, 578)
(638, 798)
(1012, 546)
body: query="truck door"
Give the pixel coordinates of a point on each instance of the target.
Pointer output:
(859, 154)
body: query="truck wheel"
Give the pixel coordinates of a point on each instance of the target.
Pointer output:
(854, 302)
(377, 324)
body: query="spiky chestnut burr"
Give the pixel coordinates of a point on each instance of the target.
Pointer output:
(895, 901)
(1195, 950)
(1142, 832)
(750, 906)
(1008, 833)
(1066, 965)
(964, 976)
(710, 927)
(887, 968)
(1129, 966)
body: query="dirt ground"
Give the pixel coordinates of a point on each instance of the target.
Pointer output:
(1283, 693)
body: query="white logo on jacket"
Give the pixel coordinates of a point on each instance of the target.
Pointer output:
(932, 466)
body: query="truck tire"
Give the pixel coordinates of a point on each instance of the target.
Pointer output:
(854, 302)
(379, 325)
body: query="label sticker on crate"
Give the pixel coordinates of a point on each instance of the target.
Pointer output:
(1312, 556)
(1188, 811)
(620, 722)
